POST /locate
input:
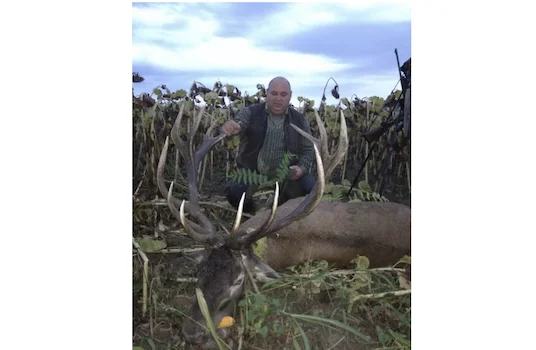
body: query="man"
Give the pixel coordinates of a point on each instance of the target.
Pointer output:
(265, 135)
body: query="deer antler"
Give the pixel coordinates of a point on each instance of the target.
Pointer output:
(205, 233)
(325, 164)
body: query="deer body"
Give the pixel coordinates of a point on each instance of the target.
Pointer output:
(337, 232)
(301, 229)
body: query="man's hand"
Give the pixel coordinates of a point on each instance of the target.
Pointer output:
(230, 128)
(297, 172)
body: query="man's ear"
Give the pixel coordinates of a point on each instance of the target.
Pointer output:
(260, 271)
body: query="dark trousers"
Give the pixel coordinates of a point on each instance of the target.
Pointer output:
(292, 189)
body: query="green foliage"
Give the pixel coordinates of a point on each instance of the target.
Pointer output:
(252, 177)
(248, 176)
(233, 142)
(283, 168)
(150, 244)
(294, 307)
(361, 193)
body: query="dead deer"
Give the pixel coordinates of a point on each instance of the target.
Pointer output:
(299, 230)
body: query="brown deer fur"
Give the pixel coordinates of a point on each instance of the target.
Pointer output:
(338, 232)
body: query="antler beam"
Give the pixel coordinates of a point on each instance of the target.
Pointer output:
(206, 232)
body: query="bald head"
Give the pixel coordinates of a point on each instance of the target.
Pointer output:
(279, 80)
(278, 95)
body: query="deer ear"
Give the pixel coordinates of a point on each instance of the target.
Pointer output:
(261, 271)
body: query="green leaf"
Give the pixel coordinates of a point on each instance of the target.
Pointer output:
(206, 315)
(329, 322)
(179, 94)
(149, 244)
(304, 337)
(157, 92)
(362, 262)
(209, 97)
(405, 260)
(263, 331)
(364, 186)
(383, 336)
(328, 187)
(360, 281)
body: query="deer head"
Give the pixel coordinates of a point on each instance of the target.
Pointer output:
(222, 272)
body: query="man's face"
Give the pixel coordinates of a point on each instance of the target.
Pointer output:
(278, 96)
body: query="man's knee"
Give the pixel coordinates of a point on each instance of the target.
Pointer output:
(307, 183)
(298, 188)
(234, 192)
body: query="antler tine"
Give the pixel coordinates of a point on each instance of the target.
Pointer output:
(252, 236)
(188, 225)
(314, 197)
(342, 148)
(330, 161)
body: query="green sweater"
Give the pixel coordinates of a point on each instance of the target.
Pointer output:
(273, 148)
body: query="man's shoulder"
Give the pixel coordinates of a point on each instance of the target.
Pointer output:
(293, 112)
(254, 109)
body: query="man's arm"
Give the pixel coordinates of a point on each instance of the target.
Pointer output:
(238, 124)
(307, 152)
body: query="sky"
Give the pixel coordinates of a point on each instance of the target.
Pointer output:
(245, 44)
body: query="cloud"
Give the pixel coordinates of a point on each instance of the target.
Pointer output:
(302, 17)
(249, 43)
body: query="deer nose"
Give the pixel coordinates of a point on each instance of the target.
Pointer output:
(195, 337)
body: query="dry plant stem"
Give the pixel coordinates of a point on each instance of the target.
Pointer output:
(263, 193)
(145, 274)
(380, 295)
(366, 144)
(203, 173)
(186, 280)
(212, 165)
(250, 275)
(241, 330)
(227, 165)
(310, 275)
(408, 175)
(217, 219)
(141, 182)
(334, 346)
(344, 167)
(162, 202)
(351, 272)
(221, 206)
(138, 162)
(179, 250)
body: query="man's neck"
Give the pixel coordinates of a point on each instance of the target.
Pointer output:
(280, 115)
